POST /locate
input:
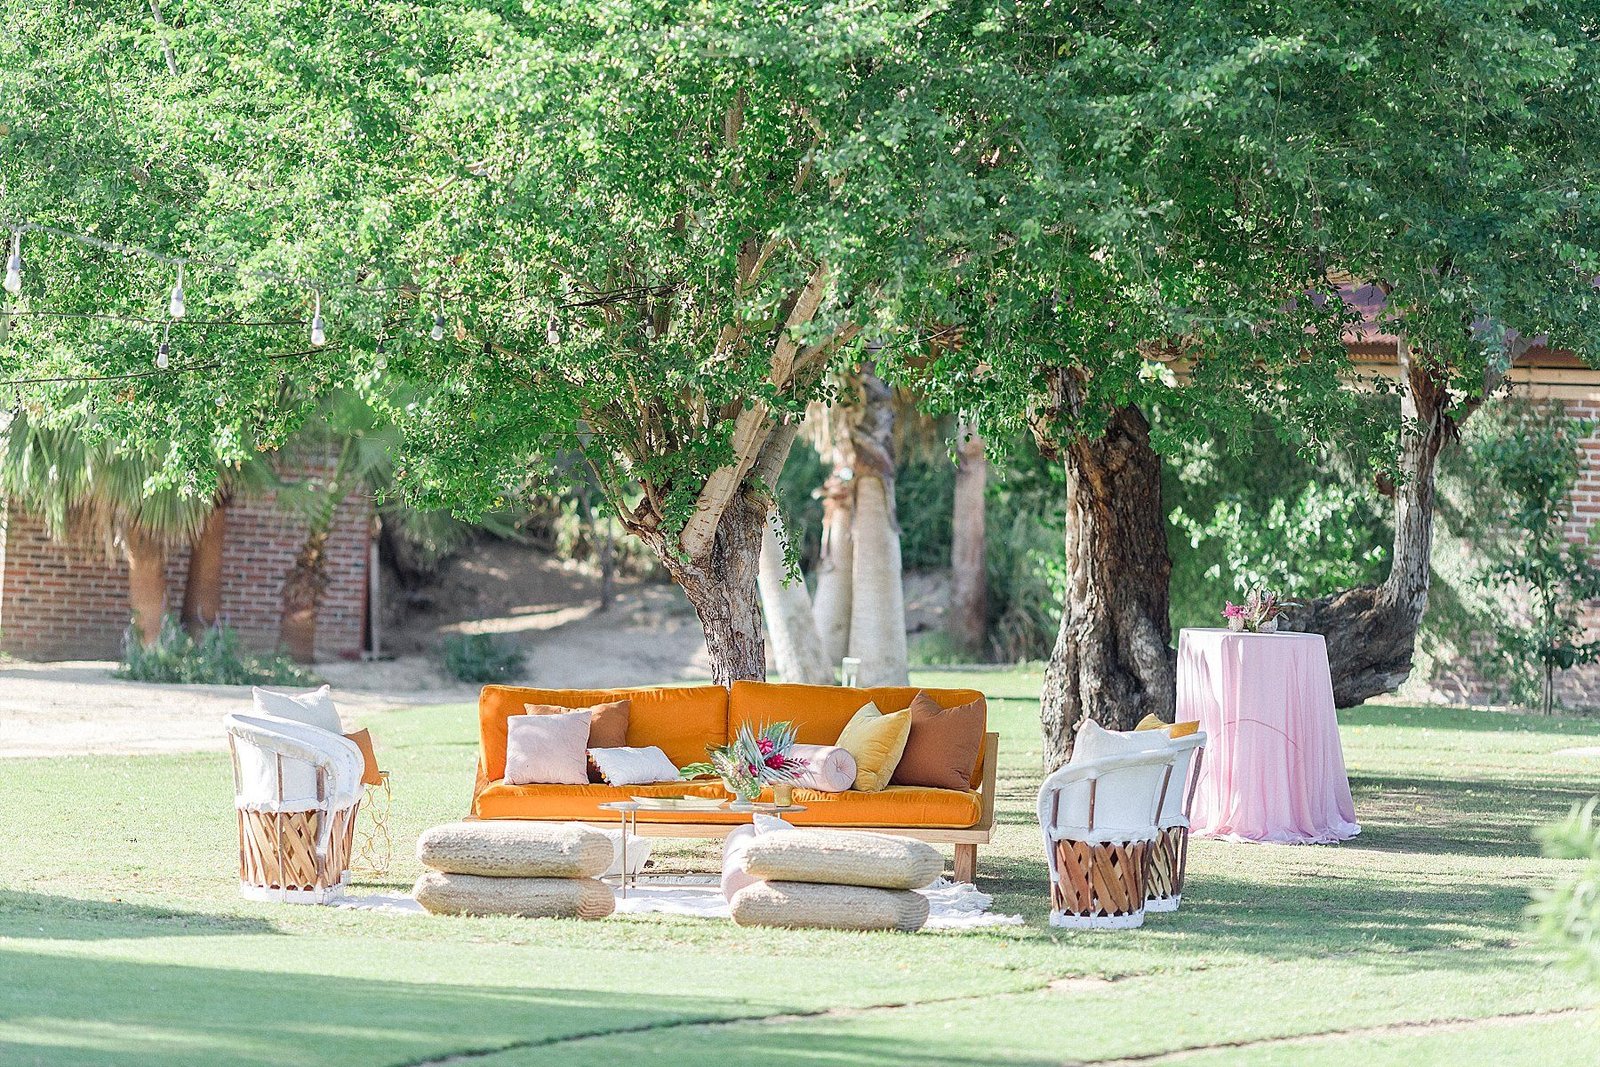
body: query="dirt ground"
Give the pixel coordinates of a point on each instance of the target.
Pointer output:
(649, 634)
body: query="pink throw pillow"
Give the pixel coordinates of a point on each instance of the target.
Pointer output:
(548, 749)
(829, 768)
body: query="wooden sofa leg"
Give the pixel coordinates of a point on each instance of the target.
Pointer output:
(967, 863)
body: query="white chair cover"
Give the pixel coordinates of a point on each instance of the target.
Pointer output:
(1180, 791)
(1098, 801)
(277, 761)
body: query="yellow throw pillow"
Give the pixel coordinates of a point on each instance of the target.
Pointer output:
(1184, 729)
(1150, 722)
(877, 741)
(1174, 730)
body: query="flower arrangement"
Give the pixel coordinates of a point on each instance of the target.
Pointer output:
(752, 760)
(1259, 613)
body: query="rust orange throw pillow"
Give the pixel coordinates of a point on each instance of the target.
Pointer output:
(608, 725)
(369, 758)
(943, 746)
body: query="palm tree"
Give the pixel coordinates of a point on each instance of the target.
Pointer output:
(87, 489)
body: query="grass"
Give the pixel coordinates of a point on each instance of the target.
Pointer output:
(123, 939)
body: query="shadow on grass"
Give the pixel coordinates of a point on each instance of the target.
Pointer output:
(1470, 720)
(36, 915)
(1458, 816)
(71, 1009)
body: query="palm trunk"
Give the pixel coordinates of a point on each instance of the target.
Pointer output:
(877, 608)
(147, 582)
(202, 590)
(969, 578)
(1113, 659)
(303, 588)
(796, 645)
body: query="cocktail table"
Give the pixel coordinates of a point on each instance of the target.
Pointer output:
(628, 811)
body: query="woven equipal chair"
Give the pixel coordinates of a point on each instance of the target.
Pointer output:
(1099, 823)
(296, 790)
(1170, 857)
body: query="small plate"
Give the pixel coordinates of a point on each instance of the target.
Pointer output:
(678, 803)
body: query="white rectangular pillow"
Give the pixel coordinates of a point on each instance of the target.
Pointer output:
(313, 707)
(633, 766)
(547, 749)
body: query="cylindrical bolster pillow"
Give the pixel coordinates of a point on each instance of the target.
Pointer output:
(843, 857)
(530, 898)
(507, 848)
(734, 847)
(829, 768)
(799, 905)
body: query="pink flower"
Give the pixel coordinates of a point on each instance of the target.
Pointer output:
(765, 745)
(1233, 611)
(753, 769)
(775, 761)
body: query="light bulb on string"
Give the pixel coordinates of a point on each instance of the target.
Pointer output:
(552, 334)
(381, 361)
(222, 401)
(175, 306)
(319, 333)
(164, 349)
(437, 333)
(13, 283)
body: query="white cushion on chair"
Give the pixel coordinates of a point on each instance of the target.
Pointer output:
(264, 745)
(314, 707)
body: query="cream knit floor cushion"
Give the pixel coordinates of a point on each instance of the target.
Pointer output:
(805, 905)
(515, 849)
(531, 898)
(843, 857)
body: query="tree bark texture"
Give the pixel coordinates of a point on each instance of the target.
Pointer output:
(723, 587)
(303, 588)
(877, 592)
(796, 645)
(1113, 660)
(969, 576)
(147, 582)
(202, 589)
(1371, 631)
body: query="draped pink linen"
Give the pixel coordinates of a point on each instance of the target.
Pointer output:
(1273, 768)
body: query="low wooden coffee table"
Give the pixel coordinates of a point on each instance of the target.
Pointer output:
(628, 812)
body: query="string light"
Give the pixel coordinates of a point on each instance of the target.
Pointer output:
(380, 360)
(164, 349)
(175, 306)
(553, 335)
(319, 333)
(13, 283)
(437, 333)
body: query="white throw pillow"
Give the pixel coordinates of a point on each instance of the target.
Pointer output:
(1094, 741)
(548, 749)
(633, 766)
(828, 768)
(314, 708)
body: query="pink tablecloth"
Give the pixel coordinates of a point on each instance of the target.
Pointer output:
(1273, 768)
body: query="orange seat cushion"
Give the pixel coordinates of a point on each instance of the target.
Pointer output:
(679, 720)
(903, 806)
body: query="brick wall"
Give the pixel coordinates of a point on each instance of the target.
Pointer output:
(70, 600)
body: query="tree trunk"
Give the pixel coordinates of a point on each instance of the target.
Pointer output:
(877, 592)
(303, 588)
(831, 606)
(969, 578)
(202, 589)
(723, 587)
(1113, 659)
(796, 645)
(147, 582)
(1371, 631)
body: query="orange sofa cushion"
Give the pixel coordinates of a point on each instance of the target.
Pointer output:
(679, 720)
(895, 806)
(819, 712)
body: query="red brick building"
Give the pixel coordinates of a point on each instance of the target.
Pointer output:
(70, 600)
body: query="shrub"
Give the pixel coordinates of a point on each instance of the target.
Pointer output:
(215, 659)
(1568, 914)
(481, 658)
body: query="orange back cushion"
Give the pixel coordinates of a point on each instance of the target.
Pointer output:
(819, 712)
(679, 720)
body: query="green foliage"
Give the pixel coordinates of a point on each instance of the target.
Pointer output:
(1567, 915)
(216, 658)
(481, 658)
(1534, 460)
(924, 499)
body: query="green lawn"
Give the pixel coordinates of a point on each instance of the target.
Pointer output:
(123, 939)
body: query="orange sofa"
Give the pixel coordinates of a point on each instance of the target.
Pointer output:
(682, 721)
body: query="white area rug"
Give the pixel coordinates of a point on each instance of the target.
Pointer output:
(951, 905)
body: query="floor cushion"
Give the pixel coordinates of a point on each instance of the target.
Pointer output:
(800, 905)
(844, 857)
(531, 898)
(516, 849)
